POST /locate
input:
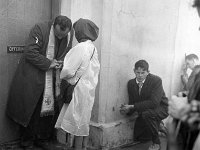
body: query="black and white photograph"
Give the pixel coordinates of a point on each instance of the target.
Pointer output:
(99, 74)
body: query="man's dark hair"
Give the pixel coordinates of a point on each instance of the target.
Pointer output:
(196, 3)
(64, 22)
(142, 64)
(191, 57)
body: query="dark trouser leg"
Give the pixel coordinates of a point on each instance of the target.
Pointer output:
(44, 128)
(29, 133)
(191, 139)
(182, 136)
(85, 142)
(57, 109)
(153, 118)
(27, 136)
(141, 130)
(45, 125)
(153, 124)
(186, 137)
(41, 128)
(78, 144)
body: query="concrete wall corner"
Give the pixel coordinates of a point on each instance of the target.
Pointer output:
(111, 135)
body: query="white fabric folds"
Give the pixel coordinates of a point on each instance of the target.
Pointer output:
(75, 118)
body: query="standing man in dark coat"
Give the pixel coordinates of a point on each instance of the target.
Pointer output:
(32, 97)
(147, 98)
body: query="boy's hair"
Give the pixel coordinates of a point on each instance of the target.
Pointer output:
(196, 3)
(63, 21)
(191, 57)
(142, 64)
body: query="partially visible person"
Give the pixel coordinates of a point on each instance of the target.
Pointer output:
(192, 113)
(32, 97)
(81, 67)
(191, 62)
(188, 113)
(180, 108)
(177, 105)
(147, 98)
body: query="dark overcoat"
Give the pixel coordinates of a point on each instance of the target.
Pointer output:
(29, 79)
(152, 94)
(151, 99)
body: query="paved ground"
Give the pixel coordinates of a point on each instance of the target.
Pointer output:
(144, 146)
(141, 146)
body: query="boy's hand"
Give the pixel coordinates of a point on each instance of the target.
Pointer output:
(124, 109)
(54, 64)
(59, 65)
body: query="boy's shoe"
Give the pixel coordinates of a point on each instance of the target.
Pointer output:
(154, 146)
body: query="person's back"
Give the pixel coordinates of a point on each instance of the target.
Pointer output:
(81, 68)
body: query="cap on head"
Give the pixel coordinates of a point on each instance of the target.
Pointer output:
(85, 30)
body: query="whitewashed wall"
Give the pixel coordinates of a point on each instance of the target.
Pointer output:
(160, 32)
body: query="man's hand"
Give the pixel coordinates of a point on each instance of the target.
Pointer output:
(124, 109)
(192, 116)
(177, 106)
(60, 64)
(183, 93)
(56, 64)
(184, 76)
(184, 79)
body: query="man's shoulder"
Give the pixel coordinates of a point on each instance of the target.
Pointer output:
(196, 69)
(154, 77)
(44, 25)
(131, 81)
(42, 28)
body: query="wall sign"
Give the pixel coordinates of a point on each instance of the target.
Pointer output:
(15, 49)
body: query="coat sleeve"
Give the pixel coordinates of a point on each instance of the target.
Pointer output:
(72, 63)
(131, 98)
(155, 97)
(33, 49)
(69, 46)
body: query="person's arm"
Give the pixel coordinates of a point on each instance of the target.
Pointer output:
(192, 77)
(131, 100)
(69, 46)
(72, 63)
(184, 76)
(76, 62)
(184, 79)
(33, 47)
(155, 98)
